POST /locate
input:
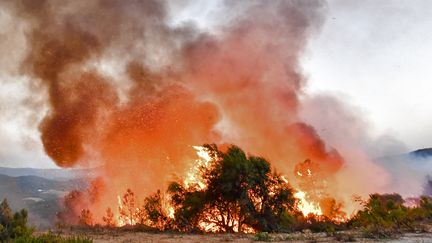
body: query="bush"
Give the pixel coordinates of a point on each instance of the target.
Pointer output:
(262, 236)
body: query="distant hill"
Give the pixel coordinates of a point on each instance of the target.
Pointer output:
(55, 174)
(426, 152)
(39, 195)
(409, 173)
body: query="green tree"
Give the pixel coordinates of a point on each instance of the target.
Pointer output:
(19, 224)
(6, 218)
(12, 225)
(154, 212)
(241, 192)
(6, 215)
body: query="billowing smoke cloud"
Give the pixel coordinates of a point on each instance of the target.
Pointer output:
(169, 88)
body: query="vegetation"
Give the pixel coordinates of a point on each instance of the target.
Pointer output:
(13, 225)
(236, 192)
(52, 238)
(385, 216)
(240, 192)
(262, 236)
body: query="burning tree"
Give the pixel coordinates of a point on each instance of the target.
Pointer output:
(238, 193)
(109, 218)
(128, 209)
(86, 218)
(154, 213)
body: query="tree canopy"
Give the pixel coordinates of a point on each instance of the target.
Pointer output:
(241, 192)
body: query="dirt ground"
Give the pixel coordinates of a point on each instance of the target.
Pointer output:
(113, 236)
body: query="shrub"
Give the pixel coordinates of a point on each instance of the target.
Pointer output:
(262, 236)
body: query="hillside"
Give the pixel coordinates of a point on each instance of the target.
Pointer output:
(39, 195)
(55, 174)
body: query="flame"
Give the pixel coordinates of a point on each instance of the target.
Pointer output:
(120, 221)
(193, 177)
(305, 206)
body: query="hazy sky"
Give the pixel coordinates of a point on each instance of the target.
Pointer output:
(374, 54)
(379, 54)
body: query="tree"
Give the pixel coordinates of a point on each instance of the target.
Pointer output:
(154, 212)
(6, 215)
(386, 210)
(189, 205)
(128, 212)
(86, 218)
(19, 224)
(12, 225)
(109, 218)
(6, 219)
(241, 193)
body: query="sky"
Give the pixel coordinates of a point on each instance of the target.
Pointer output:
(373, 54)
(378, 54)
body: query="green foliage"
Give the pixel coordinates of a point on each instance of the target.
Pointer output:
(153, 212)
(52, 238)
(14, 225)
(262, 236)
(240, 192)
(6, 215)
(426, 207)
(384, 216)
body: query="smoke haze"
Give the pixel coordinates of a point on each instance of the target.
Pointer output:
(121, 88)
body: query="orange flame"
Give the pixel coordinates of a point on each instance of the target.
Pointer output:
(307, 207)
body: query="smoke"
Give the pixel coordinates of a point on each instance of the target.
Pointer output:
(130, 93)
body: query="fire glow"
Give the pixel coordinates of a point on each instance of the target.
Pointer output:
(193, 178)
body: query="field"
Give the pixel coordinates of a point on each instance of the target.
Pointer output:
(130, 236)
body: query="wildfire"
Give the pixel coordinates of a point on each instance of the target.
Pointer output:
(204, 160)
(304, 172)
(193, 176)
(120, 221)
(307, 207)
(129, 214)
